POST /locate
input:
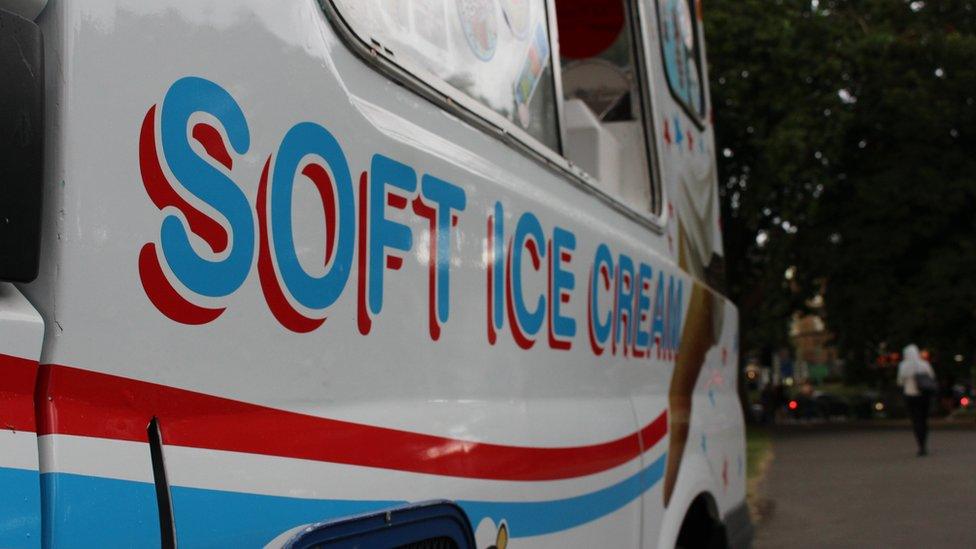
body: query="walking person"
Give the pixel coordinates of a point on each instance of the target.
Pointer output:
(917, 379)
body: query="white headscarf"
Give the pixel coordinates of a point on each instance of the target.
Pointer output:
(912, 364)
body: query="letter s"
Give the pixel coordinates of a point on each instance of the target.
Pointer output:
(220, 277)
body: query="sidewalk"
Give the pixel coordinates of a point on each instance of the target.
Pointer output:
(862, 486)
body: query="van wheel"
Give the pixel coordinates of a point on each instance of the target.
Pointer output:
(701, 529)
(713, 538)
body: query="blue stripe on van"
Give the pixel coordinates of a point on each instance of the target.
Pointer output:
(534, 518)
(87, 511)
(20, 508)
(105, 512)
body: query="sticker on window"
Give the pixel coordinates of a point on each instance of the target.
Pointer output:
(480, 25)
(536, 60)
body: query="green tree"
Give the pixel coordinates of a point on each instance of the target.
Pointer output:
(846, 133)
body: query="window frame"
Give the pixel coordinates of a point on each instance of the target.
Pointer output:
(697, 119)
(636, 18)
(451, 99)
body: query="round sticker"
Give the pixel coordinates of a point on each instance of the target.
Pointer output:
(480, 25)
(518, 15)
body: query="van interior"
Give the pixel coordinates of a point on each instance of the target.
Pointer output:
(603, 118)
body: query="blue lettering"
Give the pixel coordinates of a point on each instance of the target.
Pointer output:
(600, 330)
(528, 227)
(644, 277)
(302, 140)
(384, 233)
(563, 281)
(449, 199)
(205, 277)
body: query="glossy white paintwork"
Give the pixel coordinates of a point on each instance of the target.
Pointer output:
(108, 62)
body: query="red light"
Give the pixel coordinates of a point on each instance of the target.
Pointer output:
(793, 405)
(964, 402)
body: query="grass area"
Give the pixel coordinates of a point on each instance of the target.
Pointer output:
(963, 414)
(759, 453)
(757, 448)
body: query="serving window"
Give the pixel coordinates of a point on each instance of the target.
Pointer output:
(496, 52)
(580, 102)
(605, 106)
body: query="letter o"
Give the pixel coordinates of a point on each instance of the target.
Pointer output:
(302, 140)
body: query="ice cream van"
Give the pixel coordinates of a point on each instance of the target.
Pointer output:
(363, 273)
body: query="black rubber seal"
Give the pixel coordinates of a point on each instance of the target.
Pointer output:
(164, 500)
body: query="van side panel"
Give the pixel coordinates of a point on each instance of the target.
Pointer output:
(335, 297)
(706, 420)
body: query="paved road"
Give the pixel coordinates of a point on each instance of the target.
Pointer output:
(866, 488)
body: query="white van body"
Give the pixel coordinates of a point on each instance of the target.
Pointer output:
(298, 371)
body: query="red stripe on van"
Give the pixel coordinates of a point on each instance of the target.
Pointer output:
(86, 403)
(17, 377)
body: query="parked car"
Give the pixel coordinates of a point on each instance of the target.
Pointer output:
(871, 405)
(831, 406)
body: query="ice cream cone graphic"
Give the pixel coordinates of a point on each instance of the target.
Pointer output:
(701, 332)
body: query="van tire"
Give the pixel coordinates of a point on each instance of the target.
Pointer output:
(701, 528)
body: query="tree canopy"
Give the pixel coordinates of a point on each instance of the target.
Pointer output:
(846, 134)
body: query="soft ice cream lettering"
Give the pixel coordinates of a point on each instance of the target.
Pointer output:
(531, 279)
(618, 306)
